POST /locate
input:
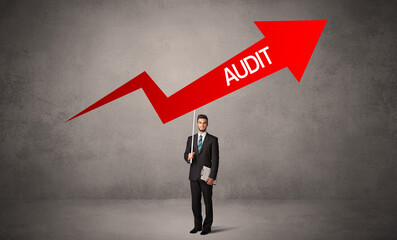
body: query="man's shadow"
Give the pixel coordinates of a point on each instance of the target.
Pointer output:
(221, 229)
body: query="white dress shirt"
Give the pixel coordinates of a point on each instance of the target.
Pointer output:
(198, 137)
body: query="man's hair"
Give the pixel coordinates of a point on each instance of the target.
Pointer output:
(202, 116)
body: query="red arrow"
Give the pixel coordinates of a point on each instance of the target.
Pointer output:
(286, 44)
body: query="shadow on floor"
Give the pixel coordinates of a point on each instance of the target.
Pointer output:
(221, 229)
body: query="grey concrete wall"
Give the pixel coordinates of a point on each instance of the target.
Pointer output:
(331, 136)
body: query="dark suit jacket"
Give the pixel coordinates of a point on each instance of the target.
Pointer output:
(208, 156)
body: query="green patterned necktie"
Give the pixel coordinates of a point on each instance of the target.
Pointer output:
(200, 143)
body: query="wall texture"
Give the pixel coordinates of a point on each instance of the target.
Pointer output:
(331, 136)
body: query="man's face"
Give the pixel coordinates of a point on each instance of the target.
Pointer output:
(202, 124)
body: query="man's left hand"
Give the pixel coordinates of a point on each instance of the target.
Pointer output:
(209, 181)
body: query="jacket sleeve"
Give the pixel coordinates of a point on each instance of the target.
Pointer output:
(214, 159)
(187, 151)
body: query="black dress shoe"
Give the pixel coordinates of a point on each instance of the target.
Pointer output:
(205, 231)
(194, 230)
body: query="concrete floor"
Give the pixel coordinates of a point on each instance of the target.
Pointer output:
(172, 219)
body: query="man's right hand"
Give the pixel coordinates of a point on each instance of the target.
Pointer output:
(190, 156)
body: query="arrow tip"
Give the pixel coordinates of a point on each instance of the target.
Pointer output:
(295, 40)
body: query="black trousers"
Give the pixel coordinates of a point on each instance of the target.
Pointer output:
(197, 187)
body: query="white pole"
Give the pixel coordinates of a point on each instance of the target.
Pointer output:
(191, 149)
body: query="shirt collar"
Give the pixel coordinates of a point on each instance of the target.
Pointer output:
(204, 134)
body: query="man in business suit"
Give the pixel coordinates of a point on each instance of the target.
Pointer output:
(205, 153)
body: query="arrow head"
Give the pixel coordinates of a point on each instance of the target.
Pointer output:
(294, 41)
